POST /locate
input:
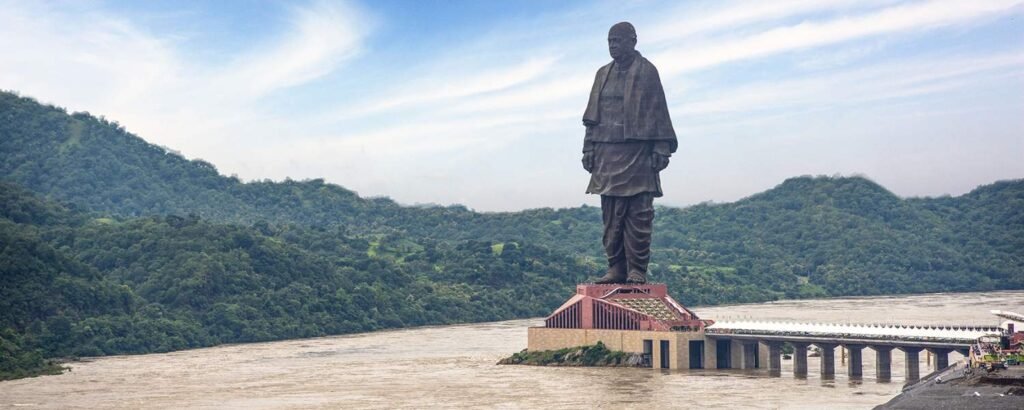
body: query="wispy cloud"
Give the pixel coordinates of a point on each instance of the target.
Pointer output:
(95, 60)
(83, 58)
(855, 86)
(439, 88)
(689, 20)
(916, 16)
(323, 36)
(497, 110)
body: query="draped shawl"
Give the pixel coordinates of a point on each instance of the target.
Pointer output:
(646, 112)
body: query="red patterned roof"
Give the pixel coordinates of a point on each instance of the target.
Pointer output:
(624, 307)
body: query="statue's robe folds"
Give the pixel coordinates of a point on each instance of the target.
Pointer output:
(627, 120)
(645, 112)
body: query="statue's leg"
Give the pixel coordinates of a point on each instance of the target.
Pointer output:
(613, 210)
(637, 236)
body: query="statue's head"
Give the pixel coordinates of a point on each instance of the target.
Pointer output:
(621, 40)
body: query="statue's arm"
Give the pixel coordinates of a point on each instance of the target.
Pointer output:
(588, 149)
(591, 117)
(663, 147)
(660, 152)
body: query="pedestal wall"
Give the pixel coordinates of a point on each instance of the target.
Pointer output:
(542, 338)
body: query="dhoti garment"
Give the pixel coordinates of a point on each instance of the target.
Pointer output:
(628, 222)
(625, 179)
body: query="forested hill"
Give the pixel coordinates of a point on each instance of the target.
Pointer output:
(836, 236)
(117, 245)
(75, 283)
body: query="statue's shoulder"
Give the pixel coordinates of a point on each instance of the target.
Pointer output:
(647, 64)
(605, 68)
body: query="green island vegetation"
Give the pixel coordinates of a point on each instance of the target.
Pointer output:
(112, 245)
(593, 355)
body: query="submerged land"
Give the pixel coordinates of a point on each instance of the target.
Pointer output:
(592, 355)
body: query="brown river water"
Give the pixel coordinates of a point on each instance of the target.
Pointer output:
(454, 367)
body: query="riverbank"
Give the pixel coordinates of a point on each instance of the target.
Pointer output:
(844, 306)
(47, 367)
(954, 388)
(454, 367)
(593, 355)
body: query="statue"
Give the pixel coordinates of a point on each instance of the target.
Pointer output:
(629, 139)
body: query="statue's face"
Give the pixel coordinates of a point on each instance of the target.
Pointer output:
(619, 45)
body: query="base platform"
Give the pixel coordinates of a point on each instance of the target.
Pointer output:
(624, 307)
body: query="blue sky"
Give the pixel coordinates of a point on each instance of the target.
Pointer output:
(479, 102)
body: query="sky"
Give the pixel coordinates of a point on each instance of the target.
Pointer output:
(479, 103)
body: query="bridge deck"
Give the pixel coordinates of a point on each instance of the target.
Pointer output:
(876, 334)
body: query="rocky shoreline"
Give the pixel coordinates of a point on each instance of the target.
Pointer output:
(955, 388)
(593, 355)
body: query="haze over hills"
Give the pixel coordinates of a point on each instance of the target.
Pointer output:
(114, 245)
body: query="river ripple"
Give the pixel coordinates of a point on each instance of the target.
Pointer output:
(453, 366)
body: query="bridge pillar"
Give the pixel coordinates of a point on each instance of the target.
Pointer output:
(854, 368)
(736, 354)
(762, 356)
(883, 362)
(941, 358)
(774, 358)
(710, 353)
(828, 360)
(800, 359)
(913, 366)
(749, 355)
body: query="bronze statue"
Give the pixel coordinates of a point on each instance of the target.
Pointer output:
(629, 139)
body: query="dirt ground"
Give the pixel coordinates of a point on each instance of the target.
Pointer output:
(955, 389)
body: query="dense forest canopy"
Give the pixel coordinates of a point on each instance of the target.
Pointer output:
(109, 244)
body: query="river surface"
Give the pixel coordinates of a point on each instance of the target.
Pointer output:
(454, 367)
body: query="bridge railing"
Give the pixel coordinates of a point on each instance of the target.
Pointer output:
(889, 332)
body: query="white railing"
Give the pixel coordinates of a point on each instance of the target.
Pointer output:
(957, 333)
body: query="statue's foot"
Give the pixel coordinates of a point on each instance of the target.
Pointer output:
(607, 279)
(616, 274)
(636, 278)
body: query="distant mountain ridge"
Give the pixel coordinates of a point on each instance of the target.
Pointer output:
(96, 164)
(124, 246)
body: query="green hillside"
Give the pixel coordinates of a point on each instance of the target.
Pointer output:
(113, 245)
(76, 284)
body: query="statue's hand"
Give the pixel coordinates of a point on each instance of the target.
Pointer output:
(588, 161)
(658, 161)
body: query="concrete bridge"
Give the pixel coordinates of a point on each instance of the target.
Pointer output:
(881, 338)
(645, 319)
